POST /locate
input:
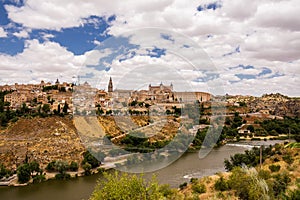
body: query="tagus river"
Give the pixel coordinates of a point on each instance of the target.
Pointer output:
(186, 167)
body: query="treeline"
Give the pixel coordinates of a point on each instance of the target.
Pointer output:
(250, 158)
(285, 126)
(31, 170)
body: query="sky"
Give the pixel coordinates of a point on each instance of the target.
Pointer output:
(247, 47)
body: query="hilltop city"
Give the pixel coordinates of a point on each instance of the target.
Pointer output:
(53, 125)
(59, 96)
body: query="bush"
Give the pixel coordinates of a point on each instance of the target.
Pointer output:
(87, 169)
(288, 159)
(61, 166)
(89, 158)
(183, 185)
(264, 174)
(280, 183)
(114, 186)
(24, 173)
(199, 188)
(73, 166)
(274, 168)
(294, 194)
(51, 166)
(63, 176)
(221, 184)
(4, 172)
(247, 184)
(167, 192)
(39, 178)
(194, 180)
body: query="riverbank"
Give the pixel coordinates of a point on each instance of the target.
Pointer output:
(280, 174)
(111, 163)
(182, 170)
(13, 180)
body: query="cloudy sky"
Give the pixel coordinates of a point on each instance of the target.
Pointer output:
(223, 46)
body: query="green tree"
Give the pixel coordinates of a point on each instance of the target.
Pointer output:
(247, 184)
(51, 166)
(73, 166)
(89, 158)
(87, 168)
(126, 187)
(61, 166)
(46, 108)
(198, 188)
(4, 172)
(250, 128)
(274, 168)
(34, 167)
(221, 184)
(24, 173)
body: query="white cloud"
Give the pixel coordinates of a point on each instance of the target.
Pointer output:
(47, 36)
(96, 42)
(266, 32)
(240, 9)
(280, 14)
(43, 61)
(3, 33)
(21, 34)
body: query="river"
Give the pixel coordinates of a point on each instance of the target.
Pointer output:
(186, 167)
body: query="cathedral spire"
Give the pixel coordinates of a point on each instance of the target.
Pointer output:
(110, 85)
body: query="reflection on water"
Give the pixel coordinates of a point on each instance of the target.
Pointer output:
(186, 167)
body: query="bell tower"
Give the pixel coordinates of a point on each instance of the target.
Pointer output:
(110, 85)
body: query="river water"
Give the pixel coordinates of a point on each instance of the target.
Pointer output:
(186, 167)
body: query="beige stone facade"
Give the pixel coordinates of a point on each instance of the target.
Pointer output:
(86, 98)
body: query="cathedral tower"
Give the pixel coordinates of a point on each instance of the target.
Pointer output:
(110, 85)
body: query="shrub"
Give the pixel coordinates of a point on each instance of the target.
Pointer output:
(63, 176)
(51, 166)
(89, 158)
(280, 183)
(221, 184)
(39, 178)
(73, 166)
(4, 172)
(199, 188)
(183, 185)
(247, 184)
(264, 174)
(194, 180)
(274, 168)
(168, 192)
(288, 159)
(114, 186)
(294, 195)
(24, 173)
(87, 169)
(61, 166)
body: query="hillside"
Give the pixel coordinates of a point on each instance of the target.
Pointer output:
(278, 177)
(42, 139)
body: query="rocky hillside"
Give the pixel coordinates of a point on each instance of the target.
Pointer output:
(275, 104)
(42, 139)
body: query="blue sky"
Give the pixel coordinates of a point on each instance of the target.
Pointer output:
(252, 46)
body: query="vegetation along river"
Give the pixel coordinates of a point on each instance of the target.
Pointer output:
(180, 171)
